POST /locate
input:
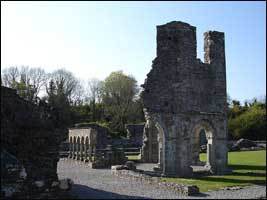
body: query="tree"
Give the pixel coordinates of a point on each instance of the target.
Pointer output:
(38, 79)
(69, 85)
(250, 124)
(94, 94)
(118, 94)
(57, 99)
(25, 78)
(94, 87)
(25, 91)
(9, 75)
(65, 93)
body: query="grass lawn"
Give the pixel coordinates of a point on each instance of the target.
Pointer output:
(249, 167)
(133, 157)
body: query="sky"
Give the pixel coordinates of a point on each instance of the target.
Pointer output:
(93, 39)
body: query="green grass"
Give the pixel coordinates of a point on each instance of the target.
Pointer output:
(133, 157)
(249, 168)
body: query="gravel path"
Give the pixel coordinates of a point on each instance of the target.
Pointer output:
(100, 184)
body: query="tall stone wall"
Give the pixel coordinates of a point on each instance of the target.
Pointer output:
(182, 95)
(30, 136)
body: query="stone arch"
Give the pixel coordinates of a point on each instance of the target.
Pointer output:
(70, 139)
(195, 139)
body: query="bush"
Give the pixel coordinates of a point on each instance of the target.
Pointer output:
(250, 125)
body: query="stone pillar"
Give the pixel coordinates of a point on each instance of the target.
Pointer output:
(82, 151)
(195, 151)
(90, 153)
(74, 150)
(160, 160)
(150, 141)
(70, 149)
(211, 164)
(160, 155)
(222, 157)
(78, 150)
(85, 151)
(208, 155)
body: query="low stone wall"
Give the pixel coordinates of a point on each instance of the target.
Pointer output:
(110, 156)
(246, 145)
(179, 188)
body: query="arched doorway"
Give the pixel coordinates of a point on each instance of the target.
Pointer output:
(203, 131)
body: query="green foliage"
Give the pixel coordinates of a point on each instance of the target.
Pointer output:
(110, 131)
(81, 113)
(25, 91)
(104, 125)
(58, 100)
(250, 124)
(118, 95)
(87, 113)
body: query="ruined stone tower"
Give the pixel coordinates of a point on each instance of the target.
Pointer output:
(182, 96)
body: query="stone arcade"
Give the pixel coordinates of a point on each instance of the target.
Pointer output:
(183, 96)
(82, 143)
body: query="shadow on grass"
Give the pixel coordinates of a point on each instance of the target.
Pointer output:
(245, 177)
(255, 174)
(84, 192)
(247, 167)
(234, 181)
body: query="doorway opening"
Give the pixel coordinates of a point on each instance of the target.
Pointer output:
(202, 148)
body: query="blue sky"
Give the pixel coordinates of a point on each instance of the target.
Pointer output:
(92, 39)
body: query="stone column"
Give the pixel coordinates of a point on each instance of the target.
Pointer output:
(78, 150)
(73, 150)
(85, 151)
(222, 157)
(81, 151)
(211, 165)
(208, 155)
(90, 153)
(159, 165)
(70, 149)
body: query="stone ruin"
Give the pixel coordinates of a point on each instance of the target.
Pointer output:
(30, 138)
(83, 143)
(183, 96)
(135, 134)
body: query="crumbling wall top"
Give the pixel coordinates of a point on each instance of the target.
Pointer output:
(178, 82)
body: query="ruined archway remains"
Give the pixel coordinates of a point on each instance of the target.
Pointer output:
(183, 95)
(82, 143)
